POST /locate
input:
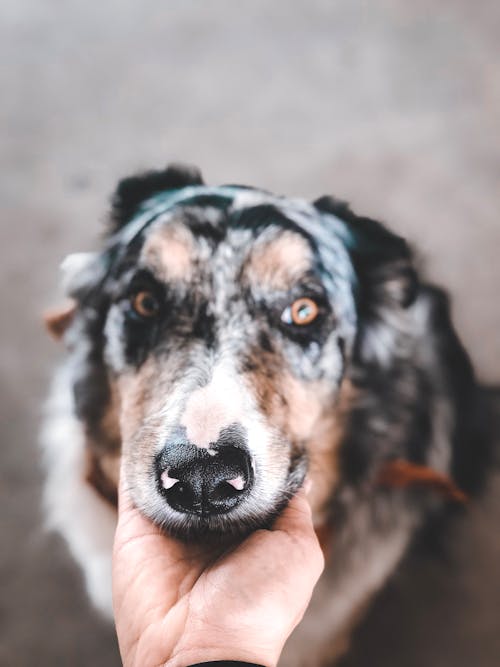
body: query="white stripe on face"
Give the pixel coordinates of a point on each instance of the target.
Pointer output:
(212, 408)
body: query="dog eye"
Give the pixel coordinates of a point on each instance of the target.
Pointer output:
(302, 312)
(145, 304)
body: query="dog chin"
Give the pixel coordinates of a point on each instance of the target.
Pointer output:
(215, 529)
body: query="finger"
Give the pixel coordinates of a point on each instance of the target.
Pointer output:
(131, 523)
(125, 502)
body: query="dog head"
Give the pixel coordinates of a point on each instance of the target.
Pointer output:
(213, 339)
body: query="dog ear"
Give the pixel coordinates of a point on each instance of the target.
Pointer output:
(387, 282)
(58, 319)
(80, 271)
(132, 191)
(400, 474)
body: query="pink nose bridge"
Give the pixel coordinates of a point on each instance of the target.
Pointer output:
(210, 409)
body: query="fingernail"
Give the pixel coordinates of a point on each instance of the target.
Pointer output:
(307, 485)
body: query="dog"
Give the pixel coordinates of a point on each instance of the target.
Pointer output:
(226, 342)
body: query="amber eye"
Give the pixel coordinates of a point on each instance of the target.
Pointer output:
(302, 311)
(145, 304)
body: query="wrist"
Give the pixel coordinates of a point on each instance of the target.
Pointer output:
(203, 653)
(225, 663)
(205, 642)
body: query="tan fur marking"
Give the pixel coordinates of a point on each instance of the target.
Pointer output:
(105, 439)
(280, 261)
(110, 421)
(168, 251)
(140, 416)
(102, 477)
(104, 451)
(303, 413)
(110, 465)
(325, 439)
(134, 394)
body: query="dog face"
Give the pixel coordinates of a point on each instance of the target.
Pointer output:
(222, 322)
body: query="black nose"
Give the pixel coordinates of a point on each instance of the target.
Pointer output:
(203, 481)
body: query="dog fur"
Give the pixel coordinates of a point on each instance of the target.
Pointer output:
(380, 378)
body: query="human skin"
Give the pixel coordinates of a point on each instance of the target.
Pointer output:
(175, 604)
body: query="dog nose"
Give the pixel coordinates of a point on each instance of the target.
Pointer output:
(201, 481)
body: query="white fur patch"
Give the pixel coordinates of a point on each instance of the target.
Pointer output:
(73, 267)
(212, 408)
(72, 506)
(114, 348)
(247, 198)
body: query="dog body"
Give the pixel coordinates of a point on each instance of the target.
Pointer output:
(225, 343)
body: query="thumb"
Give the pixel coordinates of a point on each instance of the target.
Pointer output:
(296, 521)
(297, 515)
(131, 523)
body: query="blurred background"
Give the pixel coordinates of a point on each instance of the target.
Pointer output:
(392, 105)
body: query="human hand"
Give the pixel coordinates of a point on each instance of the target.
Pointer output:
(175, 604)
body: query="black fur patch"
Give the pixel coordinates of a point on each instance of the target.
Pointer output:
(262, 216)
(91, 387)
(382, 260)
(472, 446)
(134, 190)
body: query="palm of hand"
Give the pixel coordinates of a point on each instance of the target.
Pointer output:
(176, 603)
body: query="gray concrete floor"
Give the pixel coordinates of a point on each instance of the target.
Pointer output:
(393, 105)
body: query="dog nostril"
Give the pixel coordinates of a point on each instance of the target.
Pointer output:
(167, 481)
(226, 489)
(183, 496)
(237, 483)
